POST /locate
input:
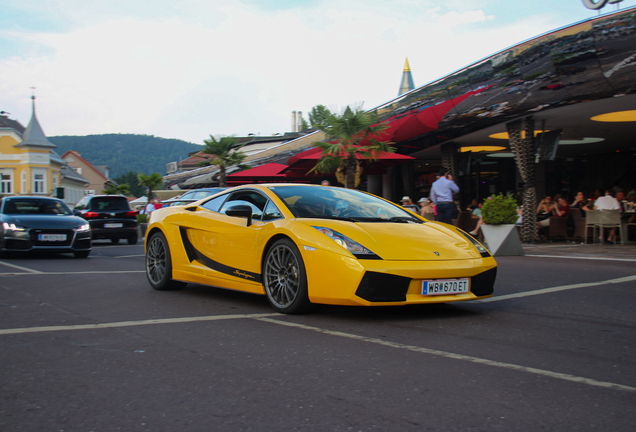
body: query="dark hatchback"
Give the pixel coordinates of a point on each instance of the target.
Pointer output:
(42, 224)
(110, 217)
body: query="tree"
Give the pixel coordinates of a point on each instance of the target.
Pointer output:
(130, 178)
(349, 135)
(152, 182)
(225, 153)
(120, 189)
(318, 116)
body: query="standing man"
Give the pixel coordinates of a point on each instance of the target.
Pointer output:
(442, 195)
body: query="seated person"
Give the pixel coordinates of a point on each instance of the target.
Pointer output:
(607, 202)
(561, 209)
(427, 210)
(581, 203)
(546, 206)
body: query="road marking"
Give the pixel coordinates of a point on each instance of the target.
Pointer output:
(132, 323)
(266, 318)
(20, 267)
(74, 273)
(129, 256)
(583, 258)
(557, 375)
(558, 288)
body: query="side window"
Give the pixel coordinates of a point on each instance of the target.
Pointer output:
(81, 205)
(271, 212)
(215, 203)
(253, 199)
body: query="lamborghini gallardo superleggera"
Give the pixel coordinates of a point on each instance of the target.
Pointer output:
(305, 244)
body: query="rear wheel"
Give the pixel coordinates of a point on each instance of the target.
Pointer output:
(132, 240)
(285, 279)
(114, 240)
(159, 264)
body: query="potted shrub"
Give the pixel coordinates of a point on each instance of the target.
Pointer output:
(499, 214)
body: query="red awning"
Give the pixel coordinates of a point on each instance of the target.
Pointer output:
(270, 172)
(300, 164)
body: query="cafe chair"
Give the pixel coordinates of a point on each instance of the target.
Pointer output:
(558, 227)
(579, 225)
(593, 221)
(612, 219)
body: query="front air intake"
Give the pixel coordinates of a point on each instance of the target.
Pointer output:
(484, 283)
(381, 287)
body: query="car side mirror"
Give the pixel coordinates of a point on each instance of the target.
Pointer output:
(241, 210)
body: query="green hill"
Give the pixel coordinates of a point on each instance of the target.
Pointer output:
(126, 152)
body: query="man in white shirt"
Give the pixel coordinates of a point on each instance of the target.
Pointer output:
(607, 202)
(442, 192)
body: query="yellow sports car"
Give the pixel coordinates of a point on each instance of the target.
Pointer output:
(303, 244)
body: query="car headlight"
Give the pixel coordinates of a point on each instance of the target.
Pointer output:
(480, 248)
(12, 227)
(83, 228)
(352, 246)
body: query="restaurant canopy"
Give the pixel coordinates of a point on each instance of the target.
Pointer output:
(300, 164)
(268, 173)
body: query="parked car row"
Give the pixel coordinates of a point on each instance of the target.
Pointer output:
(35, 223)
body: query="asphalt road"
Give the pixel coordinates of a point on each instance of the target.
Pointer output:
(87, 345)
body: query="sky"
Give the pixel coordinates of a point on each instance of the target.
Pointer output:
(189, 69)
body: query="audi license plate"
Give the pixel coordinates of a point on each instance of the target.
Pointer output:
(52, 237)
(445, 286)
(113, 225)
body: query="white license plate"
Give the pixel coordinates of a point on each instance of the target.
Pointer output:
(113, 225)
(52, 237)
(445, 286)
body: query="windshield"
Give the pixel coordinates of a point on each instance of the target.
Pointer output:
(35, 206)
(338, 203)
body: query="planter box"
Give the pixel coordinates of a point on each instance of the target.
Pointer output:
(141, 230)
(502, 240)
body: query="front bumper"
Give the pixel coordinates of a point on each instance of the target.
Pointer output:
(337, 279)
(26, 241)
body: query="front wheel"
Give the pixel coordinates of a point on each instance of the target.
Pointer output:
(81, 254)
(285, 279)
(159, 264)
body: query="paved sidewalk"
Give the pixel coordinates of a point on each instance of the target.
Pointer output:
(583, 251)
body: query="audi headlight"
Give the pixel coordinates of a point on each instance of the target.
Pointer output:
(83, 228)
(12, 227)
(352, 246)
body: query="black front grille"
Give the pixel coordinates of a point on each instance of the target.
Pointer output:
(382, 287)
(35, 233)
(484, 283)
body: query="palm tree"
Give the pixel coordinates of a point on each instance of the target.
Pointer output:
(152, 181)
(344, 134)
(225, 154)
(120, 189)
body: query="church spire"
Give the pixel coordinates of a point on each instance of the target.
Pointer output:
(407, 80)
(33, 134)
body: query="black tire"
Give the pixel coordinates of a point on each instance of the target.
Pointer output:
(132, 240)
(81, 254)
(114, 240)
(285, 279)
(159, 264)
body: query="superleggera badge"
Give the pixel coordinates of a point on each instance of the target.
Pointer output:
(244, 275)
(436, 253)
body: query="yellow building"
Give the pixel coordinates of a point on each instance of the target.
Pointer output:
(28, 163)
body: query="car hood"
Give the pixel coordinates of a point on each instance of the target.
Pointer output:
(405, 241)
(46, 221)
